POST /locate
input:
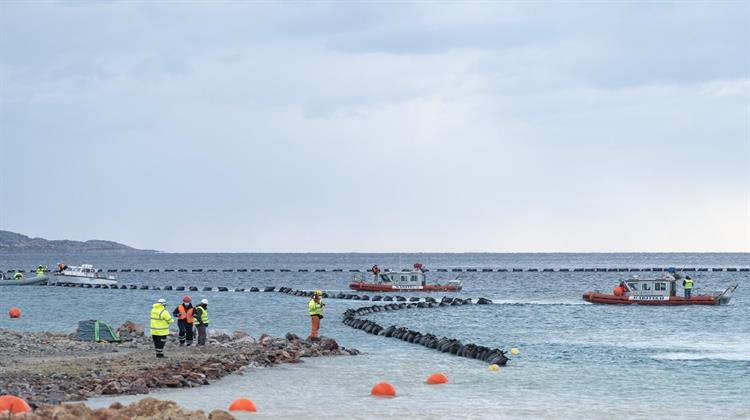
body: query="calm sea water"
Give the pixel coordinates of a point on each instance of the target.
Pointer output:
(577, 360)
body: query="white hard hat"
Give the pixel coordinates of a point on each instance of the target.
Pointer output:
(204, 301)
(161, 301)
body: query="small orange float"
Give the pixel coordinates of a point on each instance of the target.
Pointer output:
(383, 389)
(436, 379)
(14, 312)
(13, 404)
(242, 404)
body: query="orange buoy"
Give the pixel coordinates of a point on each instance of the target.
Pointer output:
(436, 379)
(242, 404)
(13, 404)
(14, 312)
(383, 389)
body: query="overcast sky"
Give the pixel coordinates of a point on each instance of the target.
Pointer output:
(383, 126)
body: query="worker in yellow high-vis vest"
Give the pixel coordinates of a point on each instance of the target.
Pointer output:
(315, 309)
(160, 320)
(687, 286)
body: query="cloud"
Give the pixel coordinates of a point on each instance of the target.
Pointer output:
(274, 127)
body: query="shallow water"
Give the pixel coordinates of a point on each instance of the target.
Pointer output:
(577, 360)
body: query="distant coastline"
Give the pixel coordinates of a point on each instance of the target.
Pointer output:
(16, 242)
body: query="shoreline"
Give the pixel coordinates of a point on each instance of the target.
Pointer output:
(51, 368)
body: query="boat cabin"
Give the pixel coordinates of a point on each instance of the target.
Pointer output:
(661, 288)
(84, 270)
(401, 280)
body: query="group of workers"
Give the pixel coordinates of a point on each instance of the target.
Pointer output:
(40, 270)
(188, 316)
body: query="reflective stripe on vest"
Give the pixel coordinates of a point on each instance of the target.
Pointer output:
(159, 324)
(185, 315)
(688, 284)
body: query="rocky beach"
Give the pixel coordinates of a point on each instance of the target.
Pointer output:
(51, 368)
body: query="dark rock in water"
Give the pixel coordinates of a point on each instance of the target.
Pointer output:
(483, 301)
(254, 289)
(292, 337)
(328, 344)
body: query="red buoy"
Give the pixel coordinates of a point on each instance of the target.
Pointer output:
(14, 312)
(436, 379)
(383, 389)
(242, 404)
(13, 404)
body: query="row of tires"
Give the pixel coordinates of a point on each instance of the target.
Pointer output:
(178, 288)
(339, 270)
(443, 344)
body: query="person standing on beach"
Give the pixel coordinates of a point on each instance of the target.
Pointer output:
(184, 314)
(315, 308)
(201, 321)
(160, 320)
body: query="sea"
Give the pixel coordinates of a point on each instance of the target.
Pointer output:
(576, 360)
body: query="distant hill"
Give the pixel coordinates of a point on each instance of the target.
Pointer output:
(15, 242)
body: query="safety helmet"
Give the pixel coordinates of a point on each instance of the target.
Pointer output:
(204, 301)
(161, 301)
(186, 299)
(317, 293)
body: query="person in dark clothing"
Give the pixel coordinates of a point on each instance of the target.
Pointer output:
(201, 321)
(185, 318)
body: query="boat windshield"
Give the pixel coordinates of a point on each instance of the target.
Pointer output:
(384, 278)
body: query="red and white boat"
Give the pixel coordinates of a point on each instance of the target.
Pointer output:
(403, 281)
(661, 291)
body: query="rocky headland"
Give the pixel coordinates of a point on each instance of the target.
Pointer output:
(16, 242)
(49, 368)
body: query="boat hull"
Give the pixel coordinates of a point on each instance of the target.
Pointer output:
(30, 281)
(83, 280)
(605, 298)
(371, 287)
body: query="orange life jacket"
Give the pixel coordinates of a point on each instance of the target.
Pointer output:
(186, 315)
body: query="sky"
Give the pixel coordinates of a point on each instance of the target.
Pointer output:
(378, 126)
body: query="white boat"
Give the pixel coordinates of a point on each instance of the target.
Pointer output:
(82, 274)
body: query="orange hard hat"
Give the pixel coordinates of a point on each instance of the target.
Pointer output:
(186, 299)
